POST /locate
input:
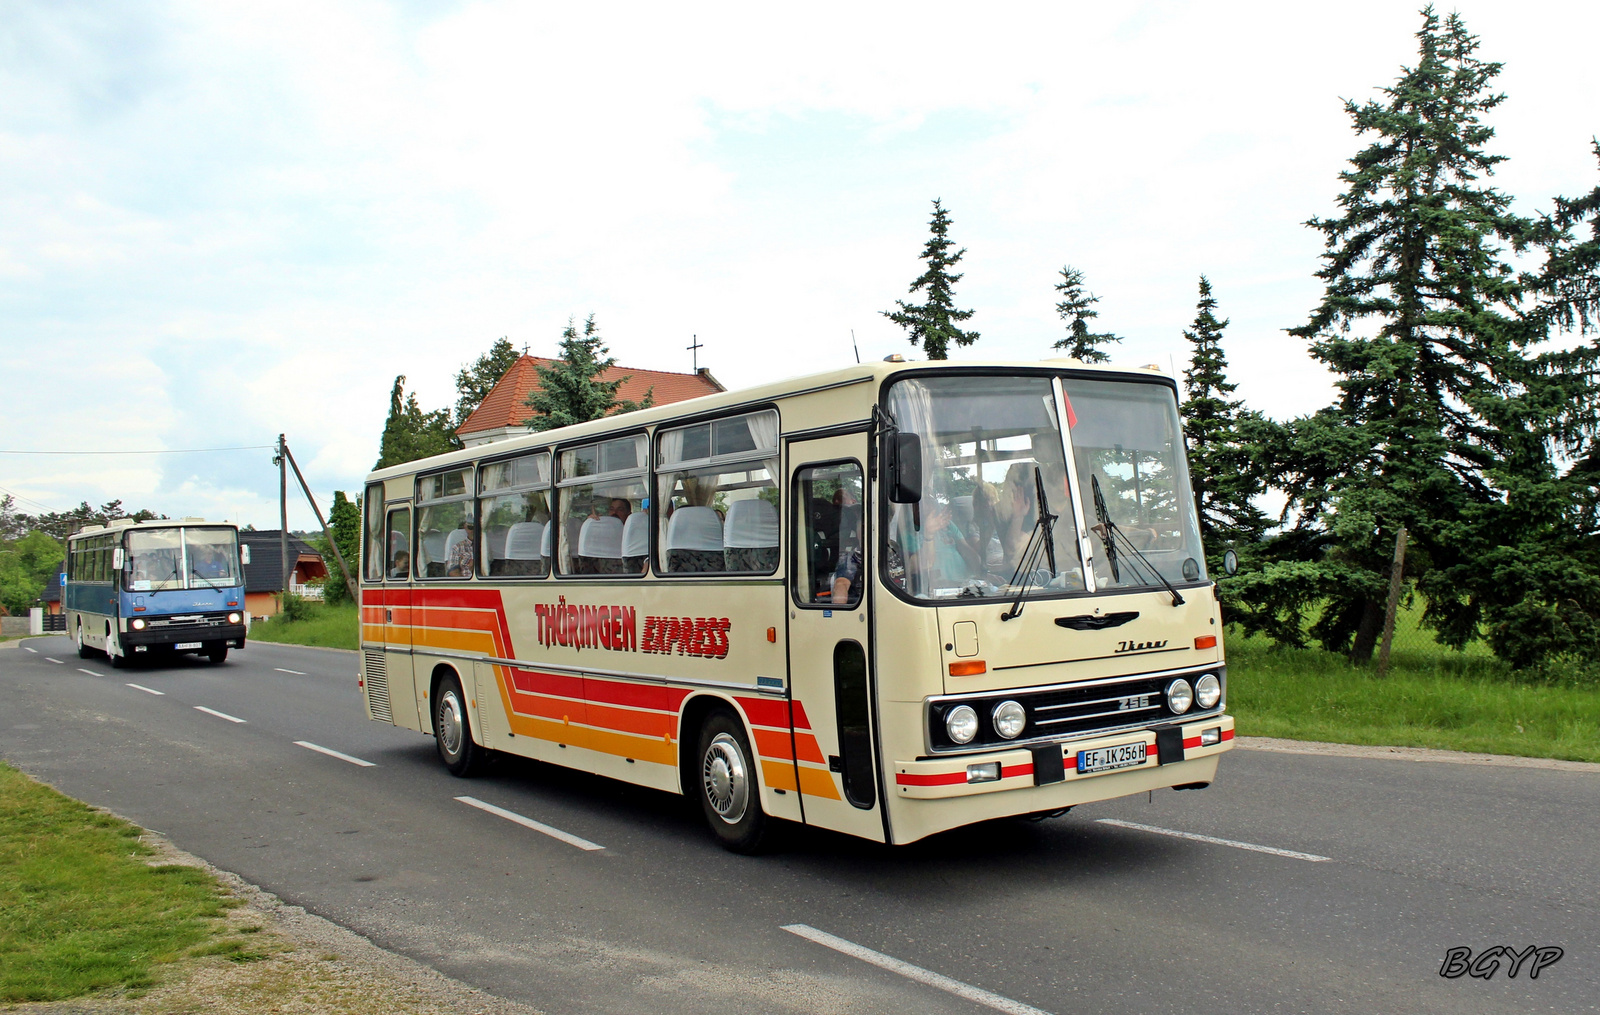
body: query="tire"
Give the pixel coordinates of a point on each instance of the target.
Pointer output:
(728, 786)
(217, 653)
(452, 729)
(84, 651)
(116, 659)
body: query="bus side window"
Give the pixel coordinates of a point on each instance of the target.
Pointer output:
(372, 551)
(397, 565)
(828, 558)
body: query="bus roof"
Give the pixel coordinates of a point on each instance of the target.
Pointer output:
(771, 392)
(119, 524)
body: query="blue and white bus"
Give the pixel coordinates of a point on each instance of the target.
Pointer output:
(143, 589)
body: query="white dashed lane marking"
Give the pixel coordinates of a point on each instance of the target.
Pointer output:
(330, 752)
(91, 673)
(219, 715)
(1292, 854)
(56, 661)
(280, 669)
(30, 648)
(147, 690)
(917, 973)
(537, 826)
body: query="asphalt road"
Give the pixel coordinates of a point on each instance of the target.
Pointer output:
(1069, 915)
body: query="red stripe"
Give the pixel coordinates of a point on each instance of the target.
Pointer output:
(618, 692)
(956, 778)
(1012, 771)
(765, 712)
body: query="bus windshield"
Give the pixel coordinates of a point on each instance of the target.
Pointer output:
(990, 443)
(179, 558)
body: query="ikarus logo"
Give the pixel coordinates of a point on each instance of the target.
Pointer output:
(1140, 646)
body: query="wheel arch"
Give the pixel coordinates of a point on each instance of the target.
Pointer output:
(437, 677)
(691, 717)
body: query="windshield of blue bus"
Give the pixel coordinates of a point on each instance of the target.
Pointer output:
(179, 558)
(989, 443)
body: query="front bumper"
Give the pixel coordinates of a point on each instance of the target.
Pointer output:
(949, 776)
(232, 634)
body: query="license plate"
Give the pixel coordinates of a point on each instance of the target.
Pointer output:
(196, 644)
(1106, 759)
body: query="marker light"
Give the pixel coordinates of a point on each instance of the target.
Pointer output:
(961, 723)
(1009, 719)
(1207, 690)
(1179, 696)
(969, 668)
(1206, 641)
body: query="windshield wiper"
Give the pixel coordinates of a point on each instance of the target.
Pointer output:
(1109, 534)
(1042, 538)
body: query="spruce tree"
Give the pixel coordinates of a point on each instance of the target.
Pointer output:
(1077, 309)
(409, 433)
(1420, 322)
(933, 324)
(1221, 465)
(476, 379)
(570, 390)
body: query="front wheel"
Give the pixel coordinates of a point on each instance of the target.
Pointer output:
(452, 730)
(113, 656)
(728, 785)
(84, 651)
(217, 653)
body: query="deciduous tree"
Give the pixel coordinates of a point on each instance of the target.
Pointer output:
(476, 379)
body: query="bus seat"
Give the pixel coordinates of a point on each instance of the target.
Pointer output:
(694, 541)
(497, 540)
(751, 542)
(635, 541)
(522, 550)
(600, 544)
(432, 545)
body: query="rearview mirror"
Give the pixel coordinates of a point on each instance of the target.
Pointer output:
(116, 559)
(1230, 562)
(903, 468)
(244, 554)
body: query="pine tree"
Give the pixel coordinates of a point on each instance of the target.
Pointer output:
(1420, 323)
(1077, 309)
(932, 324)
(409, 433)
(570, 390)
(1221, 464)
(476, 379)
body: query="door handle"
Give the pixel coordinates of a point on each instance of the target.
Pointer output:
(388, 616)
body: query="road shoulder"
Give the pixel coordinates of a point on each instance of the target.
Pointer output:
(1410, 754)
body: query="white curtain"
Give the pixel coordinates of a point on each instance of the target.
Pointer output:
(671, 446)
(764, 430)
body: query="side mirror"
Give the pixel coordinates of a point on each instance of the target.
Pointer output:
(116, 559)
(903, 468)
(1230, 562)
(244, 553)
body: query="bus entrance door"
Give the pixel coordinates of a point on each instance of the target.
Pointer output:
(829, 650)
(397, 623)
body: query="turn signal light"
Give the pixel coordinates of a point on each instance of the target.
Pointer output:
(772, 634)
(1206, 641)
(968, 668)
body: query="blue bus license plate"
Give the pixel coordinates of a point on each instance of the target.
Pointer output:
(182, 645)
(1106, 759)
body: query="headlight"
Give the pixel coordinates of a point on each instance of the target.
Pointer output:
(1207, 690)
(1179, 696)
(138, 624)
(961, 723)
(1009, 718)
(234, 618)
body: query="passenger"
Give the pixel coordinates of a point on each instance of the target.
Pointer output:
(941, 554)
(621, 508)
(463, 554)
(848, 571)
(401, 568)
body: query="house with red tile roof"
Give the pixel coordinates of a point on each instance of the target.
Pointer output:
(504, 409)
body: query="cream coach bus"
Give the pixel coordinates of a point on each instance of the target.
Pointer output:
(889, 600)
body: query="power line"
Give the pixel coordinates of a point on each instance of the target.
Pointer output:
(157, 451)
(30, 500)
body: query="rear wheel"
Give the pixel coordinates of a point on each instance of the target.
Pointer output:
(452, 730)
(217, 652)
(728, 786)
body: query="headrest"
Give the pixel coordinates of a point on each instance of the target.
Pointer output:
(523, 541)
(600, 537)
(694, 528)
(751, 523)
(636, 535)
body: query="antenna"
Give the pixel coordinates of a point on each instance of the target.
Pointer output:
(853, 345)
(695, 351)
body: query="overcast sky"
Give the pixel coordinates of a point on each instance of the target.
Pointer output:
(222, 221)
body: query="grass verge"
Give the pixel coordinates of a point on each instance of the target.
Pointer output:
(80, 910)
(325, 627)
(1430, 698)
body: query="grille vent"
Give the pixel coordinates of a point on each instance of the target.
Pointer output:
(378, 687)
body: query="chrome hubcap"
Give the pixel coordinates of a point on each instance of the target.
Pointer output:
(727, 783)
(450, 724)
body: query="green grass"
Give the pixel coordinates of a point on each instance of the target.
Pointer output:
(326, 627)
(80, 910)
(1432, 696)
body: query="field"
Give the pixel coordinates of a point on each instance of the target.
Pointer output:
(323, 626)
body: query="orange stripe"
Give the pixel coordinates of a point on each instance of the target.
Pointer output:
(814, 782)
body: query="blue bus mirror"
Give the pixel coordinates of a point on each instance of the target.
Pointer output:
(244, 554)
(116, 559)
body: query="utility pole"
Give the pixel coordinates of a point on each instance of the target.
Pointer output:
(338, 558)
(283, 514)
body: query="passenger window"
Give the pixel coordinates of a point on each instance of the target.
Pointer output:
(829, 563)
(447, 534)
(398, 552)
(373, 543)
(718, 492)
(514, 510)
(603, 508)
